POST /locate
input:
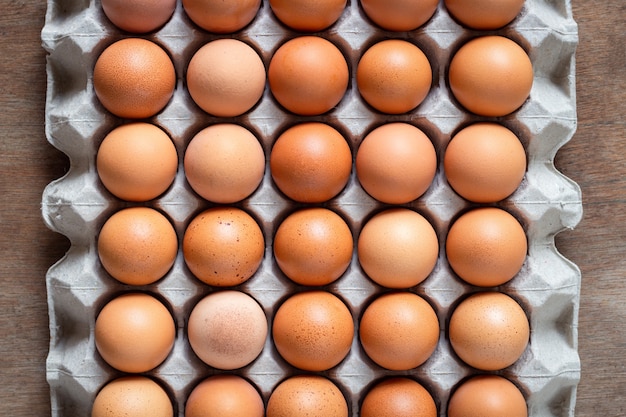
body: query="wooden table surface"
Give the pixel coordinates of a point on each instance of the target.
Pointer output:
(595, 159)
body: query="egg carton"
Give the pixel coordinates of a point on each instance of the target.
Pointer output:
(546, 203)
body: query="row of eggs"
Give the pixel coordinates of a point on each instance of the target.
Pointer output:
(309, 395)
(312, 330)
(143, 16)
(311, 162)
(308, 75)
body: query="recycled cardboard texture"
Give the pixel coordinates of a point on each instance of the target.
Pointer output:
(546, 203)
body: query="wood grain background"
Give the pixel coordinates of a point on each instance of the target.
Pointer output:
(595, 159)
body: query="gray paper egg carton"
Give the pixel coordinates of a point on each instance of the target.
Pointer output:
(76, 205)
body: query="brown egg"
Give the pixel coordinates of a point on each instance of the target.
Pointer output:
(226, 77)
(308, 15)
(489, 331)
(399, 331)
(137, 161)
(394, 76)
(311, 162)
(307, 396)
(396, 163)
(138, 16)
(487, 396)
(398, 248)
(227, 329)
(486, 246)
(398, 397)
(313, 330)
(491, 76)
(399, 15)
(136, 396)
(220, 16)
(308, 75)
(485, 162)
(484, 14)
(134, 78)
(313, 246)
(224, 395)
(223, 246)
(137, 245)
(134, 332)
(224, 163)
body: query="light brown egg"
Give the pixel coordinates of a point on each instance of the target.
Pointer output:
(138, 16)
(134, 332)
(226, 77)
(313, 330)
(224, 163)
(220, 16)
(398, 397)
(308, 15)
(137, 245)
(308, 75)
(223, 246)
(489, 331)
(394, 76)
(485, 162)
(396, 163)
(136, 396)
(398, 248)
(491, 76)
(487, 396)
(134, 78)
(399, 331)
(399, 15)
(484, 14)
(313, 246)
(311, 162)
(137, 161)
(227, 329)
(486, 246)
(307, 396)
(224, 395)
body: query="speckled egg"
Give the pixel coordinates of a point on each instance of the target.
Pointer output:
(223, 246)
(137, 396)
(134, 78)
(311, 162)
(313, 330)
(486, 246)
(227, 329)
(313, 246)
(394, 76)
(399, 330)
(307, 396)
(489, 330)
